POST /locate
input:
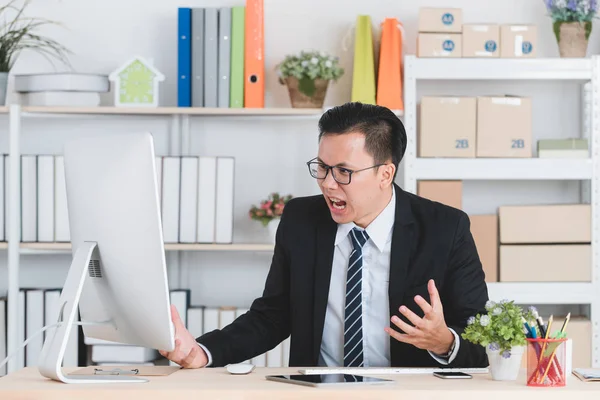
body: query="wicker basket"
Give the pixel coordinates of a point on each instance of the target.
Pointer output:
(300, 100)
(572, 38)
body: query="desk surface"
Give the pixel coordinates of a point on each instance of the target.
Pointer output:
(217, 383)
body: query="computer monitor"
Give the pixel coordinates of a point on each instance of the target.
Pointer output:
(118, 275)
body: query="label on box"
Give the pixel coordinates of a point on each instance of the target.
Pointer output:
(462, 144)
(519, 28)
(450, 100)
(490, 46)
(517, 143)
(480, 28)
(510, 101)
(447, 19)
(448, 45)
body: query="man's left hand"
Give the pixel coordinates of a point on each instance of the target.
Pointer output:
(428, 333)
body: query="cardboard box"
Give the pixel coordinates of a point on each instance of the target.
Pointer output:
(481, 41)
(436, 20)
(439, 45)
(447, 127)
(504, 127)
(484, 229)
(546, 263)
(518, 41)
(445, 192)
(579, 330)
(561, 223)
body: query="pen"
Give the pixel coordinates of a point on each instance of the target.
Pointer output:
(562, 331)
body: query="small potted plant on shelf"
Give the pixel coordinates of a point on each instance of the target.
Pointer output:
(18, 33)
(501, 332)
(269, 212)
(307, 76)
(572, 24)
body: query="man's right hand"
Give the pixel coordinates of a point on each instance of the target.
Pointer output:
(187, 352)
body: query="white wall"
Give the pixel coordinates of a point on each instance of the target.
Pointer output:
(270, 154)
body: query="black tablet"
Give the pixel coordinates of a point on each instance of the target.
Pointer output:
(328, 379)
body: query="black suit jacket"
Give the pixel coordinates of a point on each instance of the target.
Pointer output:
(430, 241)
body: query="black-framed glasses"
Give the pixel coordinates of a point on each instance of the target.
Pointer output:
(341, 175)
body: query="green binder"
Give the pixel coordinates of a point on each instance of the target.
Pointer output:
(363, 75)
(236, 75)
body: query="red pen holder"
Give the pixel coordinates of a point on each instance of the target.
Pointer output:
(546, 361)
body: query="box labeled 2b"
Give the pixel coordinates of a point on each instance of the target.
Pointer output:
(504, 127)
(447, 127)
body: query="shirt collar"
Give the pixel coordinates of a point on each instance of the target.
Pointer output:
(378, 230)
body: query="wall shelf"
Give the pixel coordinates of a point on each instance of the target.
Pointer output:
(581, 71)
(288, 112)
(501, 168)
(45, 248)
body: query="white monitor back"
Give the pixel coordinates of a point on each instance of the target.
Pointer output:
(113, 200)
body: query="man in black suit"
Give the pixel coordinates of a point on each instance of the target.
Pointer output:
(364, 274)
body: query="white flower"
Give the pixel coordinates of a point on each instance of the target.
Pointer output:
(489, 305)
(323, 54)
(471, 321)
(314, 60)
(328, 64)
(484, 320)
(497, 311)
(305, 63)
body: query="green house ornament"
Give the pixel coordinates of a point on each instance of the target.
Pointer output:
(136, 84)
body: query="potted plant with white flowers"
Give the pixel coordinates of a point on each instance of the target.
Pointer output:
(307, 76)
(501, 332)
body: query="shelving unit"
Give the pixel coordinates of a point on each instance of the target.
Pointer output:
(585, 71)
(179, 139)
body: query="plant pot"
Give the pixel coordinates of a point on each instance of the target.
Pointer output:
(3, 86)
(302, 100)
(572, 38)
(272, 228)
(505, 369)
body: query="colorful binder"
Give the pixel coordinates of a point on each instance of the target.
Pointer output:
(363, 77)
(389, 79)
(254, 61)
(184, 57)
(236, 93)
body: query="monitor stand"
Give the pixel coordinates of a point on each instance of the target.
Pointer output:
(51, 358)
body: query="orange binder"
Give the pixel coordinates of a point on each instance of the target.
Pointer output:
(254, 59)
(389, 81)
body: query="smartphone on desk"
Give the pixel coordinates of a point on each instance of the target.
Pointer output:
(452, 375)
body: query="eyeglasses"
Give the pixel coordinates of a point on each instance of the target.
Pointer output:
(341, 175)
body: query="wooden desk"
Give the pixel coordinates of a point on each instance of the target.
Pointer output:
(216, 383)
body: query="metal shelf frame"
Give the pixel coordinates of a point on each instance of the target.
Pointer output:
(585, 71)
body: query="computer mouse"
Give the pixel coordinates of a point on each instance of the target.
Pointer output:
(240, 369)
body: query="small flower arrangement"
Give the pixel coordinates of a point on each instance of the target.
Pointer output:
(501, 328)
(270, 208)
(308, 66)
(572, 10)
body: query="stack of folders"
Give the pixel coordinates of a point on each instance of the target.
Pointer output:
(198, 320)
(195, 195)
(220, 56)
(44, 214)
(36, 309)
(196, 198)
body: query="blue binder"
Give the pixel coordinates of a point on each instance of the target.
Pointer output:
(184, 57)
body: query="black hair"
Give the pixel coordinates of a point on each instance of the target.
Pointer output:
(385, 137)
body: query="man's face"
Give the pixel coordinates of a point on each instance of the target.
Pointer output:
(360, 200)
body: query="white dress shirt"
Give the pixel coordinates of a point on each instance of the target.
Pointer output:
(375, 301)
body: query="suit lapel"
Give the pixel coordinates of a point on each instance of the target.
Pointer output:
(403, 241)
(326, 232)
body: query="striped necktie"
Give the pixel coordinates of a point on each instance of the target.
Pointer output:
(353, 333)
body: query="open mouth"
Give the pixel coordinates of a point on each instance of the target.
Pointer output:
(337, 203)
